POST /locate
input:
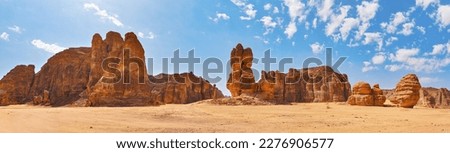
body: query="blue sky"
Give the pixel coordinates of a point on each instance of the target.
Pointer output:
(382, 40)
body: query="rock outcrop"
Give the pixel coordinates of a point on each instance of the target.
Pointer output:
(434, 97)
(16, 85)
(125, 84)
(319, 84)
(112, 72)
(407, 92)
(363, 95)
(65, 76)
(241, 80)
(181, 89)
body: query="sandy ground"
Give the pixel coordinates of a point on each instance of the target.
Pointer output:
(310, 117)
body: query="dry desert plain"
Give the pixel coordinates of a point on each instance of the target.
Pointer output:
(205, 117)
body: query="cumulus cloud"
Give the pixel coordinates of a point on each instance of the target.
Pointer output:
(439, 49)
(276, 10)
(443, 15)
(425, 3)
(267, 6)
(373, 37)
(368, 67)
(150, 35)
(409, 59)
(316, 47)
(324, 10)
(366, 12)
(391, 40)
(407, 29)
(268, 24)
(51, 48)
(4, 36)
(248, 9)
(103, 14)
(421, 29)
(219, 16)
(347, 25)
(378, 58)
(16, 29)
(397, 19)
(314, 24)
(296, 12)
(336, 20)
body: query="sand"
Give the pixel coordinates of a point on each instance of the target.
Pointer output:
(202, 117)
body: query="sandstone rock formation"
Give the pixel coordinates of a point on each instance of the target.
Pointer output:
(15, 86)
(319, 84)
(406, 93)
(241, 80)
(130, 89)
(110, 73)
(434, 97)
(181, 89)
(65, 76)
(363, 95)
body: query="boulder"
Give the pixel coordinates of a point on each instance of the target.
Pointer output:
(364, 95)
(407, 92)
(15, 86)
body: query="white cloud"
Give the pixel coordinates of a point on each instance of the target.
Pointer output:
(150, 35)
(314, 25)
(324, 10)
(51, 48)
(391, 40)
(427, 80)
(373, 37)
(336, 20)
(378, 59)
(247, 8)
(408, 59)
(368, 67)
(220, 16)
(393, 67)
(4, 36)
(407, 29)
(425, 3)
(421, 29)
(316, 47)
(103, 14)
(268, 24)
(291, 29)
(267, 6)
(366, 12)
(443, 15)
(275, 10)
(397, 19)
(16, 29)
(347, 26)
(440, 49)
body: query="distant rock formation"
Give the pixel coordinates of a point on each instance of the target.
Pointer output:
(16, 85)
(406, 94)
(363, 95)
(319, 84)
(78, 75)
(430, 97)
(182, 89)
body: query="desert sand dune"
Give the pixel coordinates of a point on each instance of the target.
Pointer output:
(203, 117)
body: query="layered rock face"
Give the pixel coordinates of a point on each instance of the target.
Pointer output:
(363, 95)
(406, 94)
(16, 85)
(241, 80)
(132, 88)
(64, 76)
(319, 84)
(182, 89)
(434, 97)
(110, 73)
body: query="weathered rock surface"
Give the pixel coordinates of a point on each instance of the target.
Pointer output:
(181, 89)
(241, 80)
(319, 84)
(133, 89)
(407, 92)
(65, 76)
(80, 77)
(430, 97)
(15, 86)
(364, 95)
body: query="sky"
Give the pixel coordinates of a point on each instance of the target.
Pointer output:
(382, 40)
